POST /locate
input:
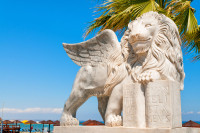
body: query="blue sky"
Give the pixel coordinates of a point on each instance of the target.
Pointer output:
(36, 75)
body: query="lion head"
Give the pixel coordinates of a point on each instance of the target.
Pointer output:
(157, 37)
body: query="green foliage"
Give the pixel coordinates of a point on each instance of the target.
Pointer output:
(192, 42)
(116, 14)
(183, 15)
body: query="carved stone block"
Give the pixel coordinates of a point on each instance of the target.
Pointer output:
(154, 105)
(133, 105)
(163, 104)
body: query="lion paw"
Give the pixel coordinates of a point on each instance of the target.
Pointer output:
(114, 120)
(68, 120)
(148, 76)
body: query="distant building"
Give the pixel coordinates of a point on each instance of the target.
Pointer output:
(92, 123)
(191, 124)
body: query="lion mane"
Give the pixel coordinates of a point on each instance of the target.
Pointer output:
(164, 54)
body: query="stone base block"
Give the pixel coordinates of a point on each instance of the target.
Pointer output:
(153, 105)
(104, 129)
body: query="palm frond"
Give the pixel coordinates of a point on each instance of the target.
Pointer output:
(192, 42)
(163, 3)
(183, 15)
(116, 14)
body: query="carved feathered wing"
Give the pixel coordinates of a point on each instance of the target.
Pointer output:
(94, 51)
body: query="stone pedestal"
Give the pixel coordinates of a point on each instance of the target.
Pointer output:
(154, 105)
(104, 129)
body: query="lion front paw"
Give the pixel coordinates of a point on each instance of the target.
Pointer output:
(148, 76)
(68, 120)
(114, 120)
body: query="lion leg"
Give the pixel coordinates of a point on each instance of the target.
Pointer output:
(75, 100)
(102, 105)
(88, 82)
(114, 108)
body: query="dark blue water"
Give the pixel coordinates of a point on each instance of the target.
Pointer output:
(187, 121)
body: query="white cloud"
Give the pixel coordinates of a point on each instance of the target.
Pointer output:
(198, 112)
(191, 112)
(187, 113)
(33, 110)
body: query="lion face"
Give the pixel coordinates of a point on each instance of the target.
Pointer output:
(142, 33)
(153, 41)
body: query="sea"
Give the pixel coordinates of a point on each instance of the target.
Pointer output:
(36, 127)
(39, 127)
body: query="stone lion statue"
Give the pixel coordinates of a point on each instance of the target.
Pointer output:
(149, 50)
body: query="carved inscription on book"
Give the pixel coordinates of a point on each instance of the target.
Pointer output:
(133, 105)
(160, 99)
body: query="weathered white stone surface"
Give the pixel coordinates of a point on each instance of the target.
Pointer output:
(103, 68)
(133, 105)
(163, 104)
(104, 129)
(150, 50)
(153, 105)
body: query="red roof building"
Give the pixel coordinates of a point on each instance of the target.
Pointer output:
(92, 123)
(191, 124)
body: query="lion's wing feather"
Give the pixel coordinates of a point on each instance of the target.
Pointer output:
(95, 50)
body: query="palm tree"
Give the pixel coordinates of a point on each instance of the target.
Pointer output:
(116, 14)
(192, 43)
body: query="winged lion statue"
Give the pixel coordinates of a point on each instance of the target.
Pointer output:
(149, 50)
